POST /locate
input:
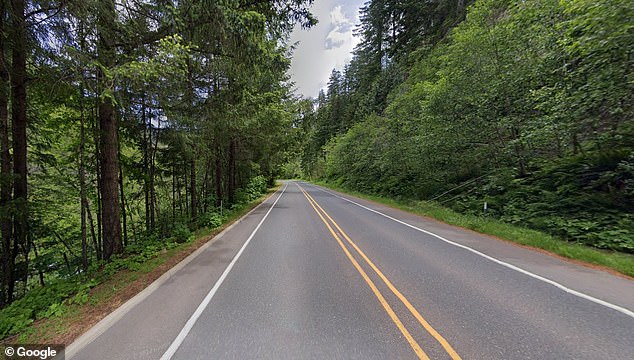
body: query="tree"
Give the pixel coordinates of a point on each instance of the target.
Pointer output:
(19, 123)
(108, 133)
(5, 167)
(137, 112)
(523, 106)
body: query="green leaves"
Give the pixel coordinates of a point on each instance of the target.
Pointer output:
(170, 60)
(525, 105)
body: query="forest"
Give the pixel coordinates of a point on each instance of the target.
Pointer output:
(525, 106)
(127, 125)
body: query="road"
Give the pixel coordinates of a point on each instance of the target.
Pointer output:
(314, 274)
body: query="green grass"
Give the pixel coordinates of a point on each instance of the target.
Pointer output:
(620, 262)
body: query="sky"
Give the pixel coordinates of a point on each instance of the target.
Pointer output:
(325, 46)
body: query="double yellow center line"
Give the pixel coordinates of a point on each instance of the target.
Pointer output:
(399, 324)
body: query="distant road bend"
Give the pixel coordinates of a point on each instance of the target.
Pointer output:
(315, 274)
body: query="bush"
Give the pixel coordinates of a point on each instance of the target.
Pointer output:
(181, 233)
(211, 220)
(585, 199)
(254, 189)
(41, 302)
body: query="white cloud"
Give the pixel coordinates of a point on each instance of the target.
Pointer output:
(326, 46)
(338, 18)
(340, 41)
(341, 29)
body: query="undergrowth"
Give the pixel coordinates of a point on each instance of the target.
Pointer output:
(618, 261)
(54, 299)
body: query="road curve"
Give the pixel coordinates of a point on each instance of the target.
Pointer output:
(315, 274)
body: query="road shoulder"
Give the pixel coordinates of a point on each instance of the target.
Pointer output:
(83, 323)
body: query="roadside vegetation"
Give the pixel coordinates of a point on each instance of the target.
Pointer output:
(525, 106)
(608, 259)
(66, 307)
(126, 127)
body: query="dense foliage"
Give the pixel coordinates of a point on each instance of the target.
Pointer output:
(526, 106)
(125, 126)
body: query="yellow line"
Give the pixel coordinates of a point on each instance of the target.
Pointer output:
(417, 349)
(445, 344)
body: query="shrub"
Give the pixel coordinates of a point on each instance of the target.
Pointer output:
(181, 233)
(211, 220)
(254, 189)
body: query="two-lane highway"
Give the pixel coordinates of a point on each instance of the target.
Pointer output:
(319, 275)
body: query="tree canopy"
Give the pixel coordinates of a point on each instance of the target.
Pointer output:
(134, 121)
(524, 105)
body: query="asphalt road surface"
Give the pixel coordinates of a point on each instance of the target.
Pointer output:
(314, 274)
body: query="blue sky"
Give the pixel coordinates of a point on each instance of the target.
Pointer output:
(326, 46)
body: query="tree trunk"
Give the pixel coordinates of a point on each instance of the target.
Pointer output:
(18, 107)
(123, 208)
(190, 99)
(82, 158)
(146, 170)
(218, 179)
(192, 179)
(154, 209)
(110, 212)
(205, 190)
(180, 195)
(232, 172)
(92, 232)
(173, 193)
(82, 182)
(185, 184)
(109, 184)
(5, 169)
(5, 198)
(96, 137)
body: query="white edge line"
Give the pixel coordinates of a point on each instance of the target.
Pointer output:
(104, 324)
(488, 257)
(192, 320)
